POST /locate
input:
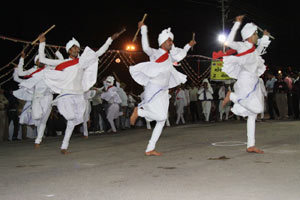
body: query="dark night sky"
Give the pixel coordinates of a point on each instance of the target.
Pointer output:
(92, 23)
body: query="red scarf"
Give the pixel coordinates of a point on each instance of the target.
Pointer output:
(109, 87)
(163, 58)
(36, 71)
(246, 52)
(67, 64)
(231, 52)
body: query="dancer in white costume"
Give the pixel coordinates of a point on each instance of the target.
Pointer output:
(112, 97)
(246, 67)
(70, 79)
(41, 96)
(180, 102)
(157, 76)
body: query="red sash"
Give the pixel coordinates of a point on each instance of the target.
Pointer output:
(163, 58)
(231, 52)
(36, 71)
(109, 87)
(67, 64)
(246, 52)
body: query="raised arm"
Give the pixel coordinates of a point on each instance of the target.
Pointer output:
(42, 57)
(263, 43)
(20, 70)
(145, 43)
(230, 39)
(104, 47)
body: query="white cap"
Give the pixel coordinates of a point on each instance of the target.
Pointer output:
(72, 43)
(248, 30)
(164, 35)
(110, 80)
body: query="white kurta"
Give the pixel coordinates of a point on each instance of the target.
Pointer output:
(113, 98)
(157, 78)
(180, 101)
(72, 82)
(247, 95)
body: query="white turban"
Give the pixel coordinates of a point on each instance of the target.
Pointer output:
(72, 43)
(110, 80)
(164, 35)
(248, 30)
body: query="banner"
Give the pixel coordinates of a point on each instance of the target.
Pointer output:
(216, 71)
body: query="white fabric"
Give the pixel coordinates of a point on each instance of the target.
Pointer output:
(206, 107)
(165, 35)
(247, 94)
(156, 78)
(248, 30)
(113, 112)
(72, 80)
(180, 101)
(72, 107)
(209, 92)
(251, 131)
(71, 43)
(155, 135)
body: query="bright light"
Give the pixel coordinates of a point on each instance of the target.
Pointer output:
(117, 60)
(222, 38)
(279, 72)
(130, 47)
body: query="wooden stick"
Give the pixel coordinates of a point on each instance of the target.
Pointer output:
(272, 37)
(134, 38)
(193, 38)
(122, 31)
(49, 29)
(117, 78)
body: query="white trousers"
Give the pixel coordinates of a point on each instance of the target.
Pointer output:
(180, 116)
(226, 109)
(155, 135)
(251, 130)
(41, 126)
(68, 134)
(206, 107)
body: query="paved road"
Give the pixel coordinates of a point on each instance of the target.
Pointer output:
(113, 167)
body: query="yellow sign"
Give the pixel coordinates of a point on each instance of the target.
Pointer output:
(216, 71)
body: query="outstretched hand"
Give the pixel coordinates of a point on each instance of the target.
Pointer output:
(42, 38)
(239, 18)
(140, 24)
(192, 43)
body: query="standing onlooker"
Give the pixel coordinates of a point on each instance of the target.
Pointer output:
(12, 113)
(296, 96)
(205, 96)
(280, 90)
(3, 117)
(193, 103)
(123, 105)
(187, 112)
(270, 96)
(289, 83)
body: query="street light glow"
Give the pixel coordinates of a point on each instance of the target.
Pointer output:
(222, 38)
(130, 47)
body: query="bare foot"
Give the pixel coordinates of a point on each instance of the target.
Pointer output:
(85, 137)
(227, 99)
(254, 150)
(64, 151)
(36, 146)
(133, 116)
(152, 153)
